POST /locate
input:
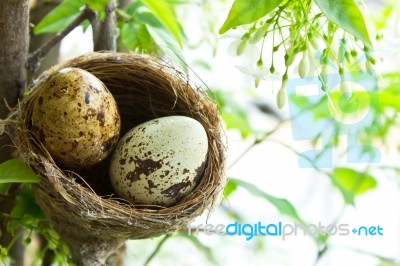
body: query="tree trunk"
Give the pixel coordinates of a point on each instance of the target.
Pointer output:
(105, 32)
(14, 45)
(14, 39)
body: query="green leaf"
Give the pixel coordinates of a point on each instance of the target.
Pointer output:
(97, 5)
(149, 18)
(283, 205)
(3, 187)
(389, 99)
(3, 252)
(220, 97)
(383, 17)
(387, 262)
(168, 46)
(16, 171)
(136, 37)
(163, 11)
(25, 211)
(347, 15)
(26, 205)
(352, 183)
(148, 34)
(133, 8)
(247, 11)
(237, 121)
(230, 188)
(177, 2)
(234, 116)
(59, 17)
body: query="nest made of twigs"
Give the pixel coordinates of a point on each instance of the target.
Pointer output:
(81, 204)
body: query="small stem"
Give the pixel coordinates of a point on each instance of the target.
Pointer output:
(261, 51)
(257, 141)
(329, 175)
(16, 237)
(36, 57)
(156, 250)
(273, 46)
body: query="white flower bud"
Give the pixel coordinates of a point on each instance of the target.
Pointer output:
(281, 96)
(345, 89)
(304, 65)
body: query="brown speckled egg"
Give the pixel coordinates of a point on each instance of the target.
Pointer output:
(76, 118)
(160, 161)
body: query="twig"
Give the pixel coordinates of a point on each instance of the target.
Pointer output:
(328, 174)
(7, 105)
(257, 141)
(36, 57)
(156, 250)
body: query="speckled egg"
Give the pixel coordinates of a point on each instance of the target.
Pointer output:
(160, 161)
(76, 118)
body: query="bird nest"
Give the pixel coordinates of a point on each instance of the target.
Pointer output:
(81, 204)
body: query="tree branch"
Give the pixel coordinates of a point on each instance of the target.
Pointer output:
(124, 3)
(14, 39)
(105, 32)
(36, 57)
